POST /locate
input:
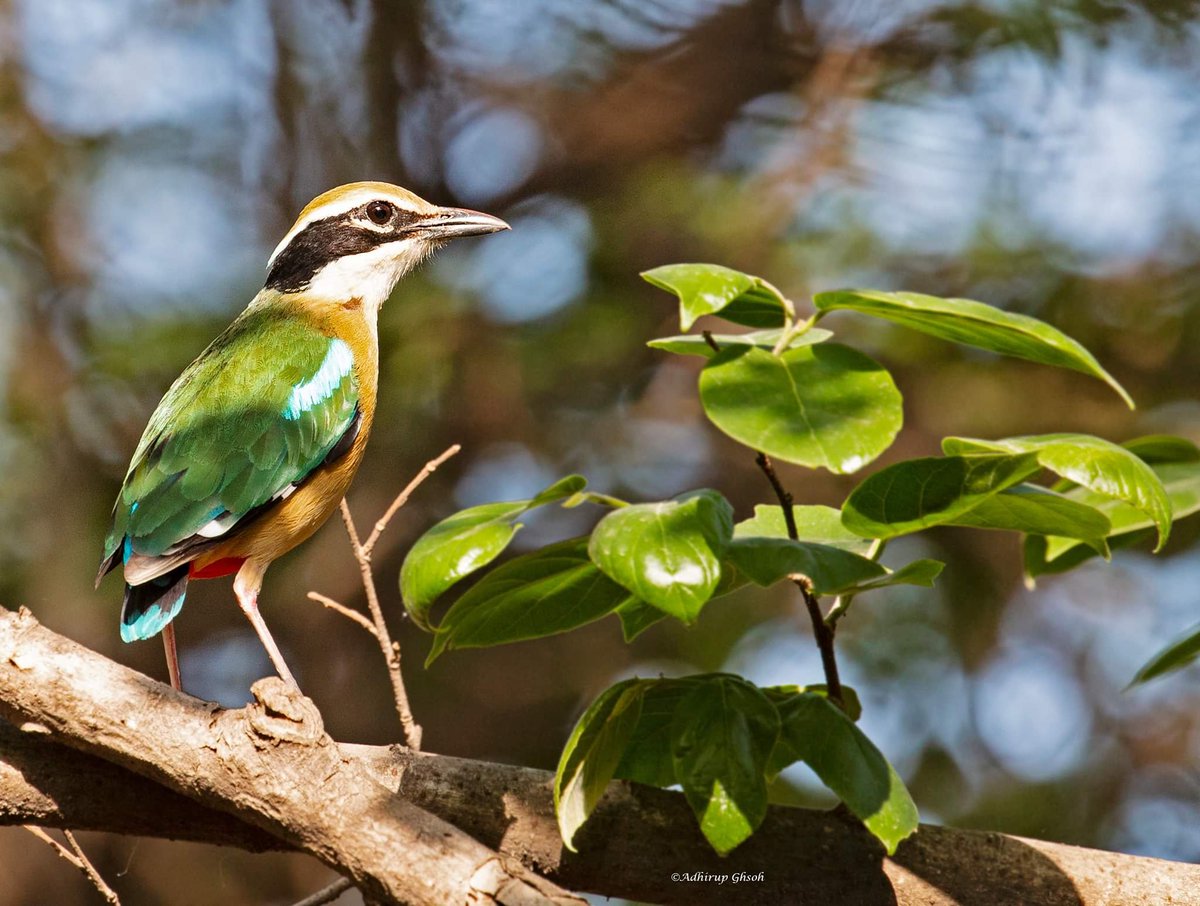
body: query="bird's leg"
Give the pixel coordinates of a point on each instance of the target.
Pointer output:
(246, 586)
(168, 635)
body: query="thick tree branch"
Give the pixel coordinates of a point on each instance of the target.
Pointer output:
(632, 846)
(271, 764)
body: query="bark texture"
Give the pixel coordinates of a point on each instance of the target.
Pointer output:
(271, 764)
(92, 745)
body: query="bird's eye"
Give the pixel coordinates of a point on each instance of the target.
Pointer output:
(380, 212)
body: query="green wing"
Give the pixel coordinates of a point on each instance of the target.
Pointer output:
(245, 423)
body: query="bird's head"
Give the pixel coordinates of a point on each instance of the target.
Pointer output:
(356, 241)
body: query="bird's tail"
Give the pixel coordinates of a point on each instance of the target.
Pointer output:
(149, 607)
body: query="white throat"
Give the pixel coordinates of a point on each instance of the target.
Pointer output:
(368, 276)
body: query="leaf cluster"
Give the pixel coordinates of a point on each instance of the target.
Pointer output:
(787, 391)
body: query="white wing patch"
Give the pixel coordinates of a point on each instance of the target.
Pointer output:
(218, 527)
(338, 363)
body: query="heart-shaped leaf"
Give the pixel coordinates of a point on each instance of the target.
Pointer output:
(464, 542)
(709, 289)
(1092, 462)
(825, 405)
(667, 554)
(815, 731)
(973, 324)
(548, 591)
(722, 734)
(919, 493)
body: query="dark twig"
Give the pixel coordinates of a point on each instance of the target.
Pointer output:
(326, 894)
(822, 631)
(785, 497)
(708, 338)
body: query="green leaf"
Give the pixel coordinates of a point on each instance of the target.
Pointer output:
(1162, 448)
(815, 731)
(693, 344)
(1035, 510)
(919, 572)
(918, 493)
(648, 754)
(822, 524)
(636, 617)
(464, 542)
(1055, 554)
(830, 569)
(781, 694)
(825, 405)
(1174, 657)
(709, 289)
(1089, 461)
(721, 737)
(579, 498)
(667, 554)
(537, 594)
(592, 754)
(974, 324)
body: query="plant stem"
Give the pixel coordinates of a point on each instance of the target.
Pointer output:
(822, 631)
(841, 604)
(824, 634)
(76, 856)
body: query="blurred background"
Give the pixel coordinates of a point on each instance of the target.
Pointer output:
(1039, 156)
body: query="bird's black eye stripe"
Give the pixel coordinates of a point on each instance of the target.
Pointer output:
(335, 237)
(380, 212)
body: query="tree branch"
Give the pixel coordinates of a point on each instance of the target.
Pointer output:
(78, 858)
(270, 764)
(823, 632)
(637, 839)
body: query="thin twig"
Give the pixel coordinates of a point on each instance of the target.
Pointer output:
(824, 636)
(822, 631)
(785, 497)
(327, 894)
(362, 554)
(402, 497)
(348, 612)
(391, 652)
(76, 856)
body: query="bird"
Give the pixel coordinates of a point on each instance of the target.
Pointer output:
(254, 445)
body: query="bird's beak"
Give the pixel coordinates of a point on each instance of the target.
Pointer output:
(451, 223)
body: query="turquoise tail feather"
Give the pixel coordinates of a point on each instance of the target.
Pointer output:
(149, 607)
